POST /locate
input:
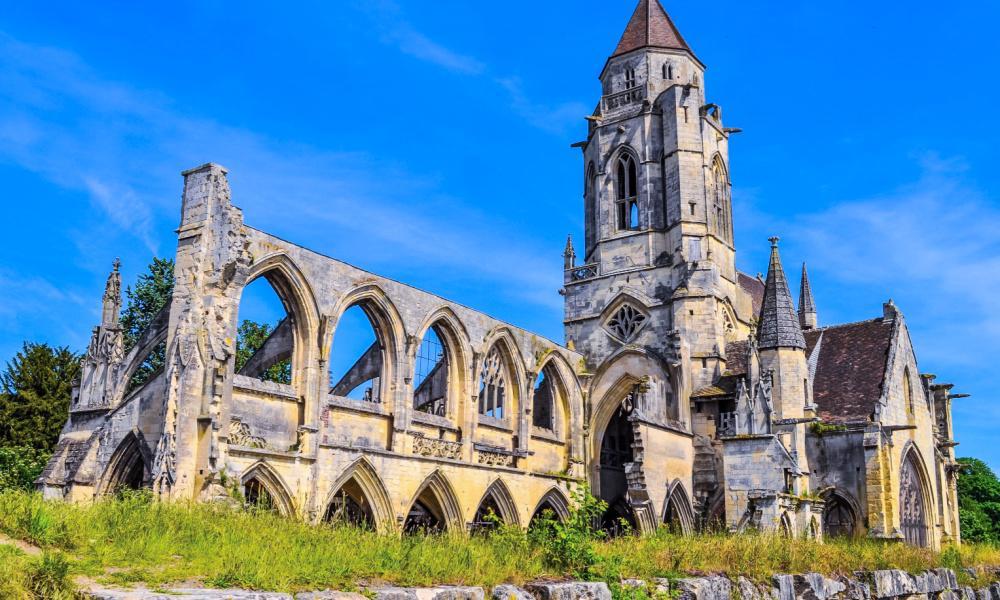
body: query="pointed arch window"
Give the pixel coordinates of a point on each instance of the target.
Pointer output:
(629, 78)
(627, 188)
(907, 390)
(591, 203)
(493, 386)
(543, 404)
(722, 202)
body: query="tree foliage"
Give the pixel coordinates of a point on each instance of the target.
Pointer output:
(35, 391)
(152, 291)
(250, 337)
(978, 501)
(20, 467)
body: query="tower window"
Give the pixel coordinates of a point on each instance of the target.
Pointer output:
(723, 205)
(627, 202)
(629, 78)
(668, 71)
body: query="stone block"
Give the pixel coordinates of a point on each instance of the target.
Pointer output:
(571, 590)
(329, 595)
(704, 588)
(433, 593)
(892, 582)
(510, 592)
(99, 593)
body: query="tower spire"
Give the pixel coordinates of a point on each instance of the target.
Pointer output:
(650, 27)
(112, 296)
(807, 306)
(569, 255)
(778, 326)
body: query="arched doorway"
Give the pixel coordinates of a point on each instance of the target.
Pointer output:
(912, 510)
(257, 496)
(678, 515)
(552, 507)
(127, 469)
(350, 506)
(838, 518)
(616, 454)
(435, 507)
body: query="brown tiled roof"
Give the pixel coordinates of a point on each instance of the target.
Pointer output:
(755, 287)
(850, 368)
(650, 26)
(736, 357)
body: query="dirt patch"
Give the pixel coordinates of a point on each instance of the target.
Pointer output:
(22, 546)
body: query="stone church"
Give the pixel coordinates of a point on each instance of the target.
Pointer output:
(686, 393)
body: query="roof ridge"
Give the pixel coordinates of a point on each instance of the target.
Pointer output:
(838, 325)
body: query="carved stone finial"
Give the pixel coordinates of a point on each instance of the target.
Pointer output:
(774, 241)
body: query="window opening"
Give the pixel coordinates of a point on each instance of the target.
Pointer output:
(430, 375)
(492, 386)
(356, 358)
(627, 193)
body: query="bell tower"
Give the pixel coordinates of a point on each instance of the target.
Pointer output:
(658, 216)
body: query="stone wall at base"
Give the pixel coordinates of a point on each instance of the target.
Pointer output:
(938, 584)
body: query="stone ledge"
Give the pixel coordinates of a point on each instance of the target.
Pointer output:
(938, 584)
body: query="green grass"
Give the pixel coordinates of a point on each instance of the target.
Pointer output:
(132, 539)
(26, 577)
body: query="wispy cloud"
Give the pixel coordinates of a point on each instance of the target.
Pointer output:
(124, 148)
(418, 45)
(933, 245)
(554, 119)
(401, 33)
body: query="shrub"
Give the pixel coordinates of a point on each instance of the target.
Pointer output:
(568, 546)
(20, 467)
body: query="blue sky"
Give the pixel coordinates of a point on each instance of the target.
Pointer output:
(430, 142)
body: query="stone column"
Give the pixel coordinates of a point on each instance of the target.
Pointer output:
(212, 263)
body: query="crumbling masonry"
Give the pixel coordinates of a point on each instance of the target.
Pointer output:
(687, 393)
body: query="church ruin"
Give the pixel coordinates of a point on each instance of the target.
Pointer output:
(686, 393)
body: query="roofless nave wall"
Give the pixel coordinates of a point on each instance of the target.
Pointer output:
(687, 393)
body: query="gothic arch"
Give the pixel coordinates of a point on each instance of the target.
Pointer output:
(437, 495)
(296, 295)
(458, 351)
(502, 341)
(627, 178)
(554, 499)
(916, 508)
(498, 495)
(841, 514)
(154, 335)
(370, 484)
(677, 508)
(129, 466)
(386, 323)
(636, 363)
(554, 365)
(282, 271)
(268, 478)
(720, 202)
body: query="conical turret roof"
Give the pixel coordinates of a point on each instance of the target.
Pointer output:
(807, 306)
(650, 27)
(778, 326)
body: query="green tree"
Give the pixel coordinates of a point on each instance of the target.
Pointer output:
(250, 337)
(978, 501)
(21, 466)
(35, 391)
(143, 302)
